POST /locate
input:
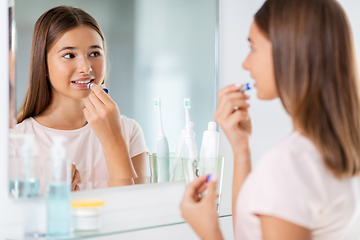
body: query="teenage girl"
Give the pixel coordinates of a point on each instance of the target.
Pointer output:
(67, 54)
(308, 185)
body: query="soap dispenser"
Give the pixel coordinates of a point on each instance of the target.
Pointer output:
(58, 189)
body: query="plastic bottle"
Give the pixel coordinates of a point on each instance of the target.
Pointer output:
(177, 168)
(210, 142)
(209, 151)
(180, 145)
(31, 180)
(29, 187)
(58, 189)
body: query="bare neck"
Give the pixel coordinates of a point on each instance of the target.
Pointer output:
(63, 113)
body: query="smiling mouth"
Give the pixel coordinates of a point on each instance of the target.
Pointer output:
(83, 82)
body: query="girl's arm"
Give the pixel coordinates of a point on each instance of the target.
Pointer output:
(242, 168)
(277, 229)
(232, 115)
(139, 163)
(103, 115)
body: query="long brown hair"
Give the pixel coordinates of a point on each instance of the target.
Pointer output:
(316, 75)
(48, 29)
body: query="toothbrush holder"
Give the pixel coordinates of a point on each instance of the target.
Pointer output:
(165, 169)
(194, 168)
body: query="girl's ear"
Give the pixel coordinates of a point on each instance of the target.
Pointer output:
(103, 83)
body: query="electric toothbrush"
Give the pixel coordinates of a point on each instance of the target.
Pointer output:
(190, 151)
(162, 148)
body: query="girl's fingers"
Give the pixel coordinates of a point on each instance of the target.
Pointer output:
(231, 95)
(192, 189)
(230, 100)
(89, 106)
(211, 187)
(73, 169)
(87, 114)
(99, 92)
(222, 115)
(76, 180)
(202, 188)
(229, 88)
(234, 104)
(235, 118)
(95, 101)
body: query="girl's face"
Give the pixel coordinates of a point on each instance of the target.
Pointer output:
(260, 64)
(75, 60)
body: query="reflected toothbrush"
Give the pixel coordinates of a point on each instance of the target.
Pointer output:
(162, 147)
(190, 151)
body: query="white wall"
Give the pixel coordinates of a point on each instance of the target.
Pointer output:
(352, 8)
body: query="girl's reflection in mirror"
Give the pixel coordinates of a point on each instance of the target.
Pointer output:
(68, 52)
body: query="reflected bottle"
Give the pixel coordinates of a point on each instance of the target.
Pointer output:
(24, 168)
(58, 190)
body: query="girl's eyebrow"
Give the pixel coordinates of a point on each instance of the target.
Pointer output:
(95, 46)
(66, 48)
(73, 48)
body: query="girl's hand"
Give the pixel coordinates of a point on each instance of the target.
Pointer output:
(75, 178)
(232, 115)
(201, 212)
(103, 115)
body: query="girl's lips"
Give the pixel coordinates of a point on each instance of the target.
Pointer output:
(81, 85)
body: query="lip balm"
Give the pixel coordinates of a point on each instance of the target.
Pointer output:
(246, 86)
(105, 89)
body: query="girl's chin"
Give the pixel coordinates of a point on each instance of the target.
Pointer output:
(266, 96)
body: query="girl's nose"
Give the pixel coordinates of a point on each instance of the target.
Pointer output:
(245, 64)
(84, 66)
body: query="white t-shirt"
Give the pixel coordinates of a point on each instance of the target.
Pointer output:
(83, 148)
(291, 182)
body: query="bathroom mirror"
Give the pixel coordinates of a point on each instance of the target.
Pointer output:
(155, 49)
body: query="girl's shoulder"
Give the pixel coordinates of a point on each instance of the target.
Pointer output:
(31, 126)
(24, 126)
(294, 148)
(130, 124)
(291, 182)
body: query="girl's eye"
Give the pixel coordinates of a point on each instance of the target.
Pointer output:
(69, 55)
(94, 54)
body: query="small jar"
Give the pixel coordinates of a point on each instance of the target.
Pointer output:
(86, 214)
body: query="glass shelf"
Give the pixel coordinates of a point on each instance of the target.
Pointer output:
(114, 226)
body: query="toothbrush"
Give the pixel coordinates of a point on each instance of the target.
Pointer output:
(162, 148)
(190, 151)
(246, 86)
